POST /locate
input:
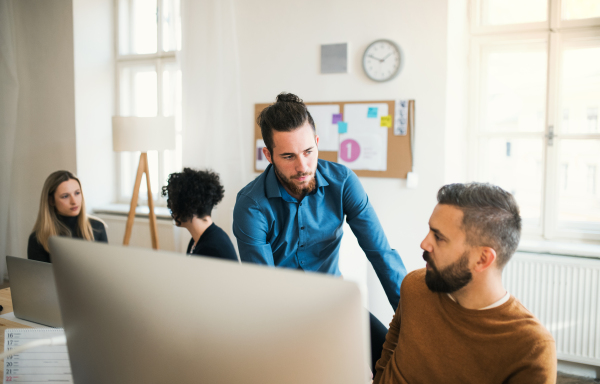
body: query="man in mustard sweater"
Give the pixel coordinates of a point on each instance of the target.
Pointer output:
(455, 322)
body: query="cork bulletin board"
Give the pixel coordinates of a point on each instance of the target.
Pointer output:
(399, 155)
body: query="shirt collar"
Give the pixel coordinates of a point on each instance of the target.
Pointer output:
(273, 185)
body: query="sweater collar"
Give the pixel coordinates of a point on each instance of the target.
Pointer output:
(70, 222)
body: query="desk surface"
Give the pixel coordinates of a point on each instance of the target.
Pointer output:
(6, 302)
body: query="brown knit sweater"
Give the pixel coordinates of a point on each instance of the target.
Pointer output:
(432, 339)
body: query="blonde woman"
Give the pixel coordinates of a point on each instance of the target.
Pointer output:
(62, 213)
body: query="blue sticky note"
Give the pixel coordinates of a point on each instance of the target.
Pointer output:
(372, 114)
(342, 127)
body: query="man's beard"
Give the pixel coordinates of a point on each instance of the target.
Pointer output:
(450, 279)
(291, 186)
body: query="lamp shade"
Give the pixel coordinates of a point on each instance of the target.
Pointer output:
(131, 134)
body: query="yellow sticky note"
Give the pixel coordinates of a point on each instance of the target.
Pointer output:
(386, 121)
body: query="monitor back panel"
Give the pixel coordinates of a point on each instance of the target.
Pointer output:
(135, 315)
(33, 291)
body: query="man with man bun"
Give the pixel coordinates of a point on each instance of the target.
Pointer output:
(456, 323)
(292, 214)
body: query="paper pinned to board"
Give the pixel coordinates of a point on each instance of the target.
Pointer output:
(364, 145)
(401, 118)
(361, 151)
(342, 127)
(336, 118)
(323, 116)
(372, 113)
(261, 161)
(386, 121)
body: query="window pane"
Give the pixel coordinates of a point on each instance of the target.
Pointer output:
(137, 26)
(171, 25)
(498, 12)
(580, 9)
(172, 92)
(579, 184)
(580, 85)
(172, 107)
(138, 91)
(516, 166)
(514, 89)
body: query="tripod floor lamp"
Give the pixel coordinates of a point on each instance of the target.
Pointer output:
(143, 134)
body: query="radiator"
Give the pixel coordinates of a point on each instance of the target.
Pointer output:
(564, 293)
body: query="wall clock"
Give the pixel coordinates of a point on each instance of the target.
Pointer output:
(381, 60)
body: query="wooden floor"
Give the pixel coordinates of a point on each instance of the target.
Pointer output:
(563, 378)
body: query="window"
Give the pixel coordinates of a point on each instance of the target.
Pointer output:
(535, 95)
(148, 83)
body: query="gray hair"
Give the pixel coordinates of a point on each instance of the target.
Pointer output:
(491, 216)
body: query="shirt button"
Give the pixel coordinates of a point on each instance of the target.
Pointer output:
(300, 204)
(302, 262)
(301, 245)
(301, 227)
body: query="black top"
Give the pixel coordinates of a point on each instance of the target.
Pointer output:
(214, 242)
(35, 250)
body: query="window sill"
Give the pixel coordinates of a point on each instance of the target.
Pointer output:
(162, 213)
(560, 248)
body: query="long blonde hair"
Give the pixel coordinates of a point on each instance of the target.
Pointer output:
(47, 223)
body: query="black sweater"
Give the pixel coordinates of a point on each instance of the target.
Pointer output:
(214, 242)
(35, 250)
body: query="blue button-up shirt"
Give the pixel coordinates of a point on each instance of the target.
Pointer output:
(275, 229)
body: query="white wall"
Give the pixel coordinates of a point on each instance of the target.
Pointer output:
(279, 50)
(94, 99)
(45, 136)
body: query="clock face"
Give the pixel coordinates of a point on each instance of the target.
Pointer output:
(381, 61)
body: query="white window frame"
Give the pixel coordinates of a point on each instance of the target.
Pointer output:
(158, 59)
(555, 33)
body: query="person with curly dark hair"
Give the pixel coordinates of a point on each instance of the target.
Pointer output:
(191, 196)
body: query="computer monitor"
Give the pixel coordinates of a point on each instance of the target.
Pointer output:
(33, 291)
(135, 315)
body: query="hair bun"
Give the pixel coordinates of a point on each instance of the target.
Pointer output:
(288, 98)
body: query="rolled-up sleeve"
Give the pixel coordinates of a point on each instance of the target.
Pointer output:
(365, 225)
(250, 228)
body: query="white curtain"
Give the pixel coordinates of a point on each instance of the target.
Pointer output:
(212, 129)
(9, 94)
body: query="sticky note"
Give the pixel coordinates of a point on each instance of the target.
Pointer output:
(386, 121)
(372, 113)
(342, 127)
(336, 118)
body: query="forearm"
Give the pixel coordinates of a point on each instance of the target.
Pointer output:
(255, 253)
(386, 261)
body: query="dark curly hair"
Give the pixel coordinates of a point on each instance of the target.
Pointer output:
(192, 193)
(288, 113)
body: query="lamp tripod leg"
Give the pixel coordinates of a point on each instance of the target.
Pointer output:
(152, 216)
(134, 197)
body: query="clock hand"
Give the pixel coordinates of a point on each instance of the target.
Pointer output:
(373, 57)
(389, 54)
